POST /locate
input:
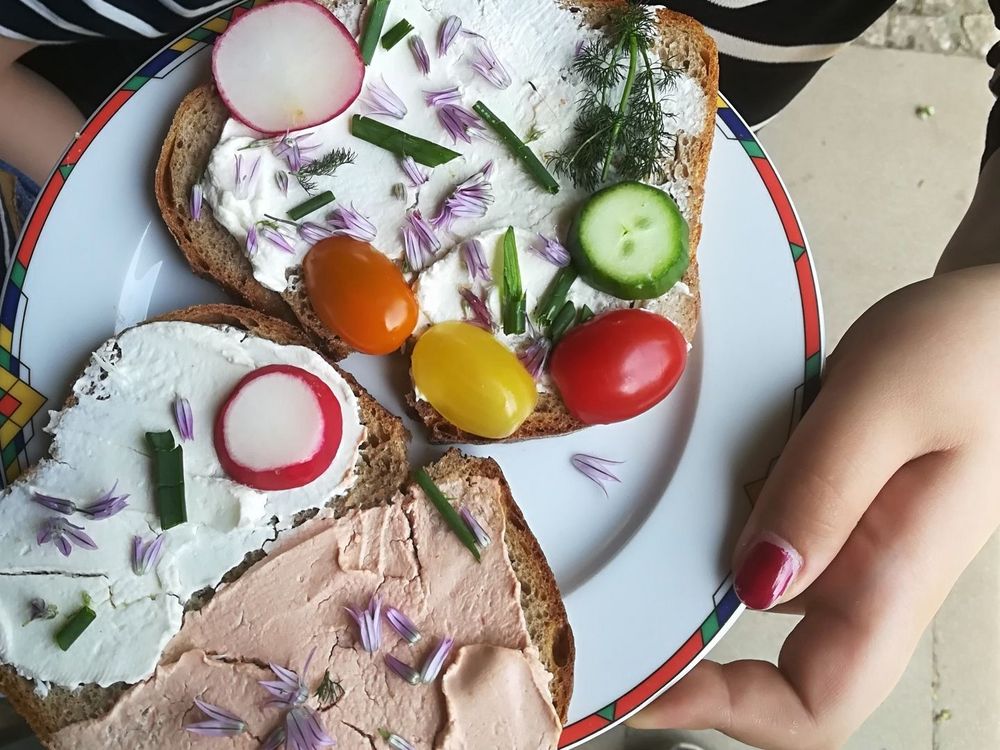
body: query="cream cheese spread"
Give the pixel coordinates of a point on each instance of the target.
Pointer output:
(540, 99)
(128, 389)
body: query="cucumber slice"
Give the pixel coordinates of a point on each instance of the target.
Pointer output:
(630, 240)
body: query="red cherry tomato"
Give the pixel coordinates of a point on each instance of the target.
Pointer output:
(618, 365)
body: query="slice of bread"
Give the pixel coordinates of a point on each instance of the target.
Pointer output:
(213, 252)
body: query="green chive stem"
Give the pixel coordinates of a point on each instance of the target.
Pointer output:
(512, 297)
(563, 322)
(168, 475)
(519, 148)
(585, 314)
(160, 441)
(373, 29)
(447, 512)
(396, 34)
(75, 625)
(402, 144)
(313, 204)
(555, 295)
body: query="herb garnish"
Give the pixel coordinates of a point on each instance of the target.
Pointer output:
(447, 511)
(621, 122)
(329, 691)
(512, 296)
(324, 166)
(76, 624)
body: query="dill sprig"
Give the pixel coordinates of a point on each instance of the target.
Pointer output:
(621, 121)
(325, 165)
(329, 691)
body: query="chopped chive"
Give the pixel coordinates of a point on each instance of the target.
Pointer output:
(168, 475)
(313, 204)
(519, 148)
(447, 511)
(552, 300)
(396, 34)
(402, 144)
(564, 320)
(585, 314)
(75, 625)
(373, 29)
(512, 296)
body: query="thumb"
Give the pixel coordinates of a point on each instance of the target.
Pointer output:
(845, 449)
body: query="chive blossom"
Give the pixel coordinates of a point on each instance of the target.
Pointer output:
(447, 33)
(64, 535)
(482, 538)
(145, 555)
(380, 99)
(41, 610)
(57, 504)
(220, 723)
(479, 310)
(486, 63)
(369, 623)
(435, 660)
(402, 670)
(475, 260)
(184, 418)
(460, 123)
(197, 194)
(402, 625)
(420, 55)
(351, 223)
(596, 469)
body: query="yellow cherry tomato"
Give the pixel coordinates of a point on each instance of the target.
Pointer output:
(473, 380)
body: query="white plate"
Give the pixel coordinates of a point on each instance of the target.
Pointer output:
(644, 572)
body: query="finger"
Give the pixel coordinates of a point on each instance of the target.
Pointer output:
(840, 456)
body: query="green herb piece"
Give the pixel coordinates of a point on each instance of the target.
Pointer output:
(519, 148)
(512, 297)
(447, 511)
(324, 166)
(622, 123)
(75, 625)
(563, 322)
(402, 144)
(329, 691)
(396, 34)
(552, 300)
(168, 476)
(534, 134)
(585, 314)
(373, 29)
(313, 204)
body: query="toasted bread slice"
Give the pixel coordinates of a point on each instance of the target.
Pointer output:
(214, 253)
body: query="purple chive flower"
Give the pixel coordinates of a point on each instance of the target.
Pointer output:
(304, 731)
(447, 33)
(419, 241)
(220, 723)
(197, 194)
(394, 740)
(435, 660)
(581, 45)
(41, 610)
(252, 240)
(380, 99)
(596, 469)
(245, 176)
(486, 63)
(460, 123)
(276, 238)
(419, 50)
(475, 260)
(352, 223)
(274, 740)
(402, 670)
(312, 232)
(369, 624)
(145, 555)
(289, 689)
(482, 538)
(64, 535)
(295, 150)
(107, 505)
(58, 504)
(470, 200)
(552, 250)
(184, 418)
(281, 180)
(533, 356)
(438, 97)
(479, 310)
(416, 174)
(402, 625)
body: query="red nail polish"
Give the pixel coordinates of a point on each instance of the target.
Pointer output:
(766, 573)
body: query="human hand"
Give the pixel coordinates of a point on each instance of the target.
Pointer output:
(884, 494)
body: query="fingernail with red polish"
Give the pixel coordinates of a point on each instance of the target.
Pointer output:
(766, 572)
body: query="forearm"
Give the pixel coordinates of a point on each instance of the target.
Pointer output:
(976, 242)
(36, 120)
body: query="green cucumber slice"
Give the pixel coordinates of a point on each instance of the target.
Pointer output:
(630, 241)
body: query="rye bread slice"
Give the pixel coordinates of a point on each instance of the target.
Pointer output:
(383, 469)
(213, 252)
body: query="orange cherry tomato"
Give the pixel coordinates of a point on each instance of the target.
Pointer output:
(360, 295)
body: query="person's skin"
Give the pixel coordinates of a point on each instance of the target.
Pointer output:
(37, 121)
(884, 494)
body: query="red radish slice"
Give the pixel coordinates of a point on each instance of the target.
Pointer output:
(279, 429)
(286, 66)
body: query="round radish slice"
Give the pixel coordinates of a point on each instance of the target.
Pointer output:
(279, 429)
(286, 66)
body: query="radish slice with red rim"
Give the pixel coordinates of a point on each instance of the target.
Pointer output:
(286, 66)
(279, 429)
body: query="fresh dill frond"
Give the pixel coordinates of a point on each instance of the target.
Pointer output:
(622, 122)
(533, 134)
(325, 165)
(329, 691)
